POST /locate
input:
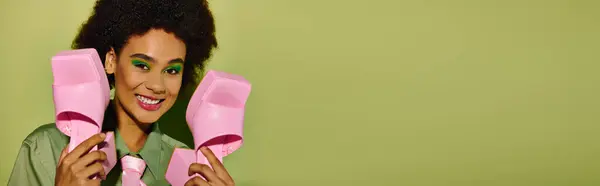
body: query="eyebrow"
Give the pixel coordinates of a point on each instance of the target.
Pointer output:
(151, 59)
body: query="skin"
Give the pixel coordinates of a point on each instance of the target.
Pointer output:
(150, 65)
(77, 167)
(161, 52)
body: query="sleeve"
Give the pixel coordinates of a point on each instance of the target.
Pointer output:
(27, 169)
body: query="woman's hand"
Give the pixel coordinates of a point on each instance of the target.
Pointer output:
(79, 168)
(217, 177)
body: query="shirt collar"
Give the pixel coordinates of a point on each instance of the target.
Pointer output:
(150, 152)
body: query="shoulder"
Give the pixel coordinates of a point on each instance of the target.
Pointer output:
(172, 142)
(38, 156)
(46, 134)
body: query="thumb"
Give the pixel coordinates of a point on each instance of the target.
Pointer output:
(63, 153)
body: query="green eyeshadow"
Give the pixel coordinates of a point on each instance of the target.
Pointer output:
(138, 62)
(176, 67)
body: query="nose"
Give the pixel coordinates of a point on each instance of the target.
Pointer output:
(156, 84)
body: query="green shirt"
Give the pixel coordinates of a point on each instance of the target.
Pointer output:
(38, 157)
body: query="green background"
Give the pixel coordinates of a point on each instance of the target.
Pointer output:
(410, 92)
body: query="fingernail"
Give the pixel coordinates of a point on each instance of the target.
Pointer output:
(102, 135)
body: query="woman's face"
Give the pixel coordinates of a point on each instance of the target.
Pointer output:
(148, 74)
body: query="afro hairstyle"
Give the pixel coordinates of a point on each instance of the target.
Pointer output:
(113, 22)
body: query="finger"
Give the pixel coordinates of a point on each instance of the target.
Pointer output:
(63, 154)
(215, 163)
(95, 156)
(94, 182)
(196, 181)
(91, 170)
(205, 171)
(85, 146)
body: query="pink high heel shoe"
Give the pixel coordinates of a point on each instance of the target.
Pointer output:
(215, 115)
(81, 95)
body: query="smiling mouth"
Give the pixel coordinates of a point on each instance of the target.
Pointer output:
(147, 100)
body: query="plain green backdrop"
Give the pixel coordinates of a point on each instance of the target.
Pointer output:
(382, 92)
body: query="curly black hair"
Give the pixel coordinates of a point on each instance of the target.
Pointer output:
(113, 22)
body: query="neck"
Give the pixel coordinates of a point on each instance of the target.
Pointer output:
(134, 133)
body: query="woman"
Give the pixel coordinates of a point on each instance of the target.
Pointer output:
(150, 49)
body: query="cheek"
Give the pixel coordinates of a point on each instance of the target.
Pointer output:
(128, 78)
(173, 84)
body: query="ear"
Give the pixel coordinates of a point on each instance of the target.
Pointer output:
(110, 62)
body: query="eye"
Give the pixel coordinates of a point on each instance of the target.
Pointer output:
(173, 70)
(140, 64)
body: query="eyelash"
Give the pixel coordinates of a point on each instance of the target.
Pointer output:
(172, 69)
(142, 66)
(145, 67)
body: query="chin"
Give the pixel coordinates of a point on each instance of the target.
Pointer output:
(146, 118)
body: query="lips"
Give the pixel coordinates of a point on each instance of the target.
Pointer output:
(148, 103)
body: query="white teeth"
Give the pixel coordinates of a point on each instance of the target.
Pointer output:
(147, 101)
